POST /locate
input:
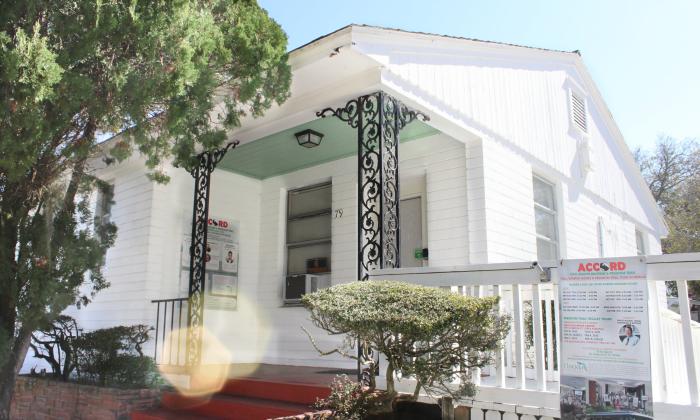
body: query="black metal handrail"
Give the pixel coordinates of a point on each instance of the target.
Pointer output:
(177, 307)
(520, 416)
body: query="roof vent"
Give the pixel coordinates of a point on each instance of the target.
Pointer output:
(578, 111)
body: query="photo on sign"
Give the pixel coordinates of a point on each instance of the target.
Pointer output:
(629, 335)
(213, 255)
(230, 261)
(585, 398)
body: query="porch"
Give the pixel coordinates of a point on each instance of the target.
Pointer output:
(289, 206)
(525, 376)
(255, 180)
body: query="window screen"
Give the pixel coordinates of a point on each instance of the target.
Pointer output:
(545, 220)
(309, 230)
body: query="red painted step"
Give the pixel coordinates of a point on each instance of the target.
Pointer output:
(240, 399)
(162, 413)
(296, 393)
(233, 407)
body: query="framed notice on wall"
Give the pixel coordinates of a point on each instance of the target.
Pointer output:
(605, 350)
(223, 285)
(222, 253)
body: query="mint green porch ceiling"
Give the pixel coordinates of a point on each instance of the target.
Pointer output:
(279, 153)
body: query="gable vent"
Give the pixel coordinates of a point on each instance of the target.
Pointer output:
(578, 112)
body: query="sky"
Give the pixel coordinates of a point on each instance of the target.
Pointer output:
(644, 55)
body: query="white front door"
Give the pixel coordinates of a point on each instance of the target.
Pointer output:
(411, 231)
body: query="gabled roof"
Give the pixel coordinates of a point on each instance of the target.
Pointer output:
(358, 37)
(384, 28)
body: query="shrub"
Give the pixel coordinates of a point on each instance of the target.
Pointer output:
(54, 343)
(132, 371)
(114, 357)
(430, 334)
(348, 400)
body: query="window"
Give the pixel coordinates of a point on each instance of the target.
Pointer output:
(639, 237)
(578, 111)
(309, 230)
(545, 220)
(103, 207)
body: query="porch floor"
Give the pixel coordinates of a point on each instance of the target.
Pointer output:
(308, 375)
(288, 374)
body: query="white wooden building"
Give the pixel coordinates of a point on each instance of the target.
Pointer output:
(519, 161)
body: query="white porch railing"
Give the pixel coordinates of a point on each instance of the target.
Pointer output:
(527, 367)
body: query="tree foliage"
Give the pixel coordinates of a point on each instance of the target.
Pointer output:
(669, 168)
(172, 75)
(672, 171)
(430, 334)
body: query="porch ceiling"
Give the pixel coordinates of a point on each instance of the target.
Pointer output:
(279, 153)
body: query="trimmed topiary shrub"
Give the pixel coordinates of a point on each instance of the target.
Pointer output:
(432, 335)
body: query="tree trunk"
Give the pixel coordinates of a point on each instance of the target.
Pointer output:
(8, 372)
(390, 389)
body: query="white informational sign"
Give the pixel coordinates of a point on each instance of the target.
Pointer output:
(605, 350)
(221, 257)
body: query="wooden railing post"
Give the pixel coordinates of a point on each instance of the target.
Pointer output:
(688, 346)
(519, 337)
(538, 338)
(500, 354)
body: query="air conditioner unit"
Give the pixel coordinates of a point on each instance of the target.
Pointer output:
(298, 285)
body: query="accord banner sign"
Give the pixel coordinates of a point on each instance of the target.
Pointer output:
(605, 352)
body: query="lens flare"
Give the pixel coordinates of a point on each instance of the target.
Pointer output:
(202, 381)
(233, 344)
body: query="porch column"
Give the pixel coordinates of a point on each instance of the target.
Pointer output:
(204, 165)
(378, 119)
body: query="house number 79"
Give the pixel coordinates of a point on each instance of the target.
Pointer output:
(338, 213)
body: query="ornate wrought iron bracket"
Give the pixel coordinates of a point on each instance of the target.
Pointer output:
(205, 164)
(378, 118)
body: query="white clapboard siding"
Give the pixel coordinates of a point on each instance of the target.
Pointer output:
(520, 98)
